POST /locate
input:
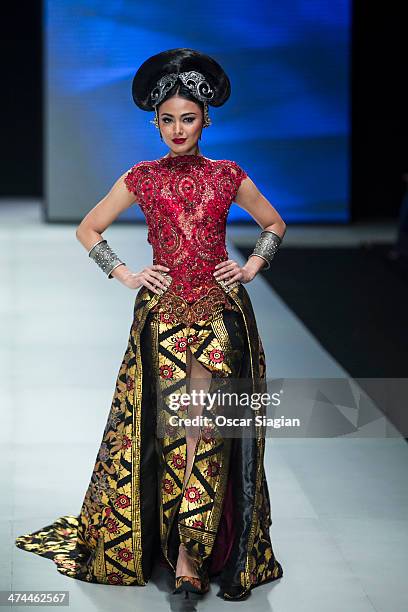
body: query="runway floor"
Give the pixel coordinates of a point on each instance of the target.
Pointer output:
(339, 505)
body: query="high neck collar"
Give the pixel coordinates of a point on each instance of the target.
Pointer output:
(176, 159)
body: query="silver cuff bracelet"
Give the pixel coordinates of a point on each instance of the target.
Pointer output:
(103, 255)
(266, 246)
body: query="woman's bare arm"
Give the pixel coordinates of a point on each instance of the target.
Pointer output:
(261, 210)
(251, 199)
(99, 218)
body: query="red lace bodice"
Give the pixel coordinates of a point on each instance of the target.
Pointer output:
(186, 200)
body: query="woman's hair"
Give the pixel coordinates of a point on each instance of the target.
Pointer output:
(181, 90)
(177, 61)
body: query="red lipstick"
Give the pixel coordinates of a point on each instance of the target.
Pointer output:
(179, 140)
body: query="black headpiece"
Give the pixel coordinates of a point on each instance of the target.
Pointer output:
(199, 72)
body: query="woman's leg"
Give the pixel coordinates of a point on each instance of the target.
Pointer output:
(200, 379)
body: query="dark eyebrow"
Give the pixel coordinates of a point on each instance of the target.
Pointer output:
(170, 115)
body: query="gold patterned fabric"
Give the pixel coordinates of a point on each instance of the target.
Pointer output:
(136, 511)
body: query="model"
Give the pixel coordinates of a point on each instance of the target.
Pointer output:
(181, 493)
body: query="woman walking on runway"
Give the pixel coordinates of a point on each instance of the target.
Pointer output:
(186, 495)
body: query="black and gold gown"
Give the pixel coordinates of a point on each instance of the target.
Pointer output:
(136, 510)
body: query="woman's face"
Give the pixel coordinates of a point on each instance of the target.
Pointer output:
(180, 119)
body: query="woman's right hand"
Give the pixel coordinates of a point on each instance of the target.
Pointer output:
(154, 277)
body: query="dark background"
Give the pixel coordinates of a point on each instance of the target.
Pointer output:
(378, 153)
(364, 328)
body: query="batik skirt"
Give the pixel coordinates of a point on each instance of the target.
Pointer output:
(136, 509)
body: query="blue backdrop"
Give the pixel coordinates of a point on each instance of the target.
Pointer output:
(286, 122)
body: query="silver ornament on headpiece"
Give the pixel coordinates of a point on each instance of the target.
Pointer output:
(196, 83)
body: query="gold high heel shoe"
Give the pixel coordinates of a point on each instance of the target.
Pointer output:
(191, 584)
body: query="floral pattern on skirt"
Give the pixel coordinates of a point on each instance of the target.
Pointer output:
(136, 509)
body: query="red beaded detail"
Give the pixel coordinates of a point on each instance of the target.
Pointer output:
(185, 200)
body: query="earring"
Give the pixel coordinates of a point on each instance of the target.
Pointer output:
(155, 121)
(207, 121)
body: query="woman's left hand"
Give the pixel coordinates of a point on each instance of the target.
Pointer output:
(230, 271)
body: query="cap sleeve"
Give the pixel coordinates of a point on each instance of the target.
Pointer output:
(131, 180)
(239, 175)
